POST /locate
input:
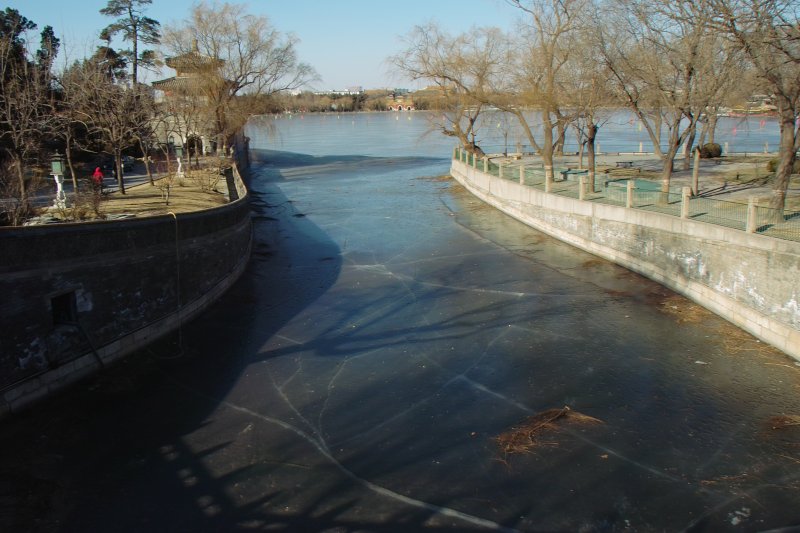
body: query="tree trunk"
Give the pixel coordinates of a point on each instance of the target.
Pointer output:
(146, 161)
(591, 134)
(687, 149)
(786, 158)
(118, 166)
(712, 127)
(68, 155)
(525, 128)
(547, 146)
(653, 130)
(471, 147)
(23, 192)
(135, 62)
(701, 139)
(561, 139)
(666, 172)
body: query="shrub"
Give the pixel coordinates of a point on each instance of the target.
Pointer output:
(772, 166)
(710, 150)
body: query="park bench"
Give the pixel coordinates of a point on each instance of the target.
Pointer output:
(565, 174)
(624, 164)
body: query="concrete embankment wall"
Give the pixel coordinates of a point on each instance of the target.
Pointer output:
(78, 296)
(751, 280)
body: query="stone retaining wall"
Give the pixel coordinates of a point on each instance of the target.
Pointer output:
(78, 296)
(750, 280)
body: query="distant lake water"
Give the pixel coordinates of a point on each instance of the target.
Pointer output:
(410, 133)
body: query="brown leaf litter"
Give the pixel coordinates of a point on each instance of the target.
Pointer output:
(530, 434)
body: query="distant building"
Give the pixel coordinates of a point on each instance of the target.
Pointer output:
(400, 100)
(350, 91)
(183, 97)
(189, 68)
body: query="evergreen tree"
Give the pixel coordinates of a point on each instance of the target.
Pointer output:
(136, 28)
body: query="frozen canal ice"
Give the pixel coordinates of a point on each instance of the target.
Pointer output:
(389, 329)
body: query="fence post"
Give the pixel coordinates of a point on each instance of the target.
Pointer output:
(726, 147)
(629, 197)
(522, 174)
(474, 160)
(548, 178)
(696, 172)
(582, 187)
(485, 165)
(686, 194)
(752, 214)
(500, 169)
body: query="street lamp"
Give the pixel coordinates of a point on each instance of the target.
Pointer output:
(57, 170)
(178, 156)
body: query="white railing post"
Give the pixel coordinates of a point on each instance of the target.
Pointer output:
(522, 174)
(582, 187)
(629, 197)
(686, 194)
(696, 172)
(500, 169)
(752, 214)
(548, 178)
(485, 165)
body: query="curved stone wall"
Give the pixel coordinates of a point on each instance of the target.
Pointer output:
(750, 280)
(77, 296)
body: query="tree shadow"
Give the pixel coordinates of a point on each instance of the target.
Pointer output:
(155, 443)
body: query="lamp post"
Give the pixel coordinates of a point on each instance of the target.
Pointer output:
(57, 170)
(178, 156)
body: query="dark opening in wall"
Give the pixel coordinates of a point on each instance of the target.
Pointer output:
(64, 309)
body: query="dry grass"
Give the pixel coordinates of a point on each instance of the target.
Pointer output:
(684, 311)
(184, 195)
(734, 340)
(591, 263)
(531, 433)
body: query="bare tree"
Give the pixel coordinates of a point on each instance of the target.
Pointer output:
(463, 69)
(768, 31)
(588, 93)
(68, 118)
(541, 73)
(231, 53)
(112, 114)
(663, 59)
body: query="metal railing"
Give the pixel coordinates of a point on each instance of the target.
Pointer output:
(645, 195)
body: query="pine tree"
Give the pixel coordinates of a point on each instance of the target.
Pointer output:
(134, 27)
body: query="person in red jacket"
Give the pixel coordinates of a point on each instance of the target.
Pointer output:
(97, 179)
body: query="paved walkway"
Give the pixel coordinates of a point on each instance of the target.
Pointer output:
(725, 187)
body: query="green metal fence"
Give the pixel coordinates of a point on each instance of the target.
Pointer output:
(646, 195)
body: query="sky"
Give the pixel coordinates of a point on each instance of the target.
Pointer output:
(346, 41)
